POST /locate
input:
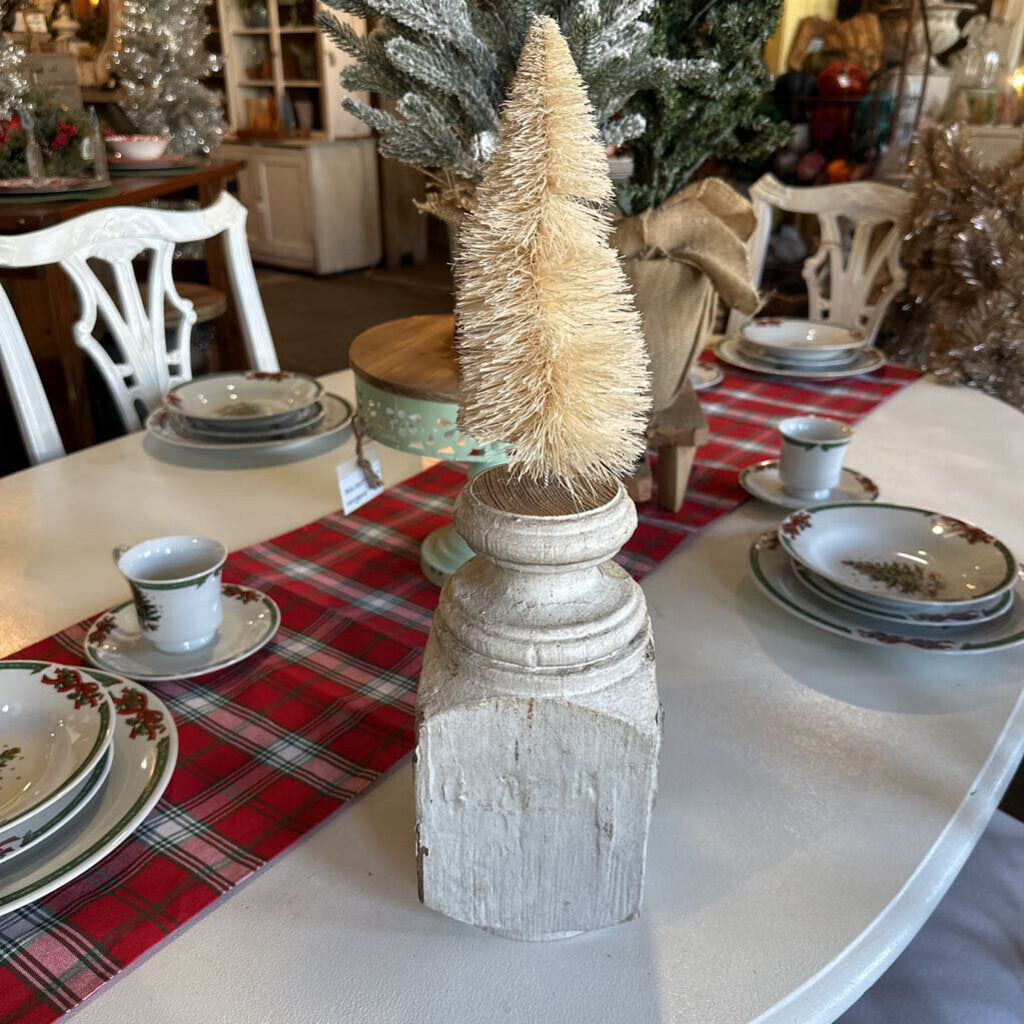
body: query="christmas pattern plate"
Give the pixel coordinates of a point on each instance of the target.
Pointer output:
(255, 396)
(45, 823)
(774, 574)
(49, 186)
(115, 643)
(911, 557)
(864, 361)
(55, 725)
(337, 418)
(145, 749)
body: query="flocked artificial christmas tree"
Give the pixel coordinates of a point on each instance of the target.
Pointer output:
(161, 62)
(721, 115)
(538, 725)
(448, 63)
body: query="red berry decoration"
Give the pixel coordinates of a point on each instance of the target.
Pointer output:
(842, 81)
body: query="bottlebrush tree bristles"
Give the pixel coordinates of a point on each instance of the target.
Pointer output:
(551, 355)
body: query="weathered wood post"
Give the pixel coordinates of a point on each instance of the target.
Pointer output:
(538, 718)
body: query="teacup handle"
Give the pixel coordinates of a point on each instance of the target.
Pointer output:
(118, 552)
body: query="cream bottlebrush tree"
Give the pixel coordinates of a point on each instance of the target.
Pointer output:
(551, 355)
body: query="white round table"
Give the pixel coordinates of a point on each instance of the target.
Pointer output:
(816, 796)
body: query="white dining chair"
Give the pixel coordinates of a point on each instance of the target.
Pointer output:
(146, 363)
(31, 406)
(853, 275)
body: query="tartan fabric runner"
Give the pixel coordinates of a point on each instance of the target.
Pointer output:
(272, 746)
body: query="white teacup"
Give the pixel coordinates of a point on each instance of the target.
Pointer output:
(175, 582)
(813, 449)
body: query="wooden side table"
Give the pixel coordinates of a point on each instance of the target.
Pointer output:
(47, 308)
(407, 395)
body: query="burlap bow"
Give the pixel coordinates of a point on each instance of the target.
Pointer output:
(679, 257)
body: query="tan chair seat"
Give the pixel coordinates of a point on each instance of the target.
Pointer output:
(209, 303)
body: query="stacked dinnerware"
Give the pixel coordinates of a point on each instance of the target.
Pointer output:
(894, 575)
(84, 757)
(788, 347)
(248, 410)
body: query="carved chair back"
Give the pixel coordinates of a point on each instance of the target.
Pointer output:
(145, 363)
(855, 272)
(31, 407)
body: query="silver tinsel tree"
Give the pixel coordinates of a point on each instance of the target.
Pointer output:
(447, 64)
(161, 63)
(13, 84)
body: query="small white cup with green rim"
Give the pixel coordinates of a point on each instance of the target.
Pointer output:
(813, 449)
(175, 583)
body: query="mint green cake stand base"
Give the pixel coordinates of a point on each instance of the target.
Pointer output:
(426, 427)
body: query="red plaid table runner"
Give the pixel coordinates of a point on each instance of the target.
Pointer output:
(272, 746)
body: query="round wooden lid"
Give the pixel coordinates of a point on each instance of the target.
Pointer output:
(414, 356)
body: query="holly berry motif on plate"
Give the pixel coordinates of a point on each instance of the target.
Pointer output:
(70, 682)
(244, 595)
(9, 845)
(869, 485)
(278, 375)
(102, 629)
(958, 528)
(8, 755)
(134, 705)
(795, 524)
(923, 642)
(904, 577)
(146, 609)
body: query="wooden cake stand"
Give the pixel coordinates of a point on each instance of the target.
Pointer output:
(407, 397)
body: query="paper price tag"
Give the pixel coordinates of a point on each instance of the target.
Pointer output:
(355, 490)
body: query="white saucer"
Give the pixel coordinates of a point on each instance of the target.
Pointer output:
(705, 375)
(762, 481)
(115, 643)
(864, 361)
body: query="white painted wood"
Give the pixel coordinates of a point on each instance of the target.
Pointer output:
(815, 796)
(145, 364)
(283, 176)
(346, 205)
(31, 406)
(843, 273)
(313, 205)
(538, 725)
(340, 123)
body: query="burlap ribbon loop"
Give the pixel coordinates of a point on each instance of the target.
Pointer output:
(678, 256)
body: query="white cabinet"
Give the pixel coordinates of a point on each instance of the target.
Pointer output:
(313, 205)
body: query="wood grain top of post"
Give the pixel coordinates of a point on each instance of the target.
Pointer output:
(414, 357)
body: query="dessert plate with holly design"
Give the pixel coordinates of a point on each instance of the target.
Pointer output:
(115, 642)
(774, 572)
(904, 556)
(55, 725)
(253, 396)
(145, 748)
